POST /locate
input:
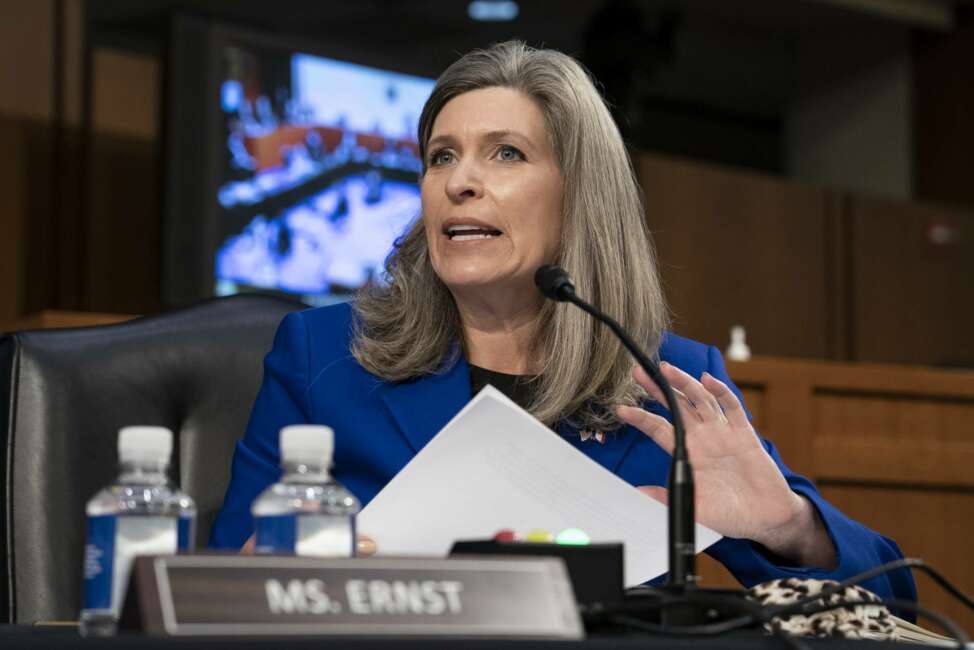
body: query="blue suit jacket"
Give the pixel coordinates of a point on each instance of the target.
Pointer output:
(310, 376)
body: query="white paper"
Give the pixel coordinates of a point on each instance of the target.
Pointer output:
(135, 536)
(494, 467)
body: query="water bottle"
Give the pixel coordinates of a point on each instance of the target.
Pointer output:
(142, 513)
(307, 512)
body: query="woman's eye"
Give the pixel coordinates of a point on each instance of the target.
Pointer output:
(441, 157)
(508, 153)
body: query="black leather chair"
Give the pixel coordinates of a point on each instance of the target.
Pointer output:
(65, 393)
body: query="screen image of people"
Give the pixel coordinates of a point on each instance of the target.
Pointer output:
(319, 171)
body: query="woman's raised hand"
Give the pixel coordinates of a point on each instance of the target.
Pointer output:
(740, 492)
(364, 546)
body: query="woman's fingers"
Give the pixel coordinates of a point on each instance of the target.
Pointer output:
(651, 424)
(685, 404)
(703, 402)
(656, 492)
(365, 546)
(727, 400)
(648, 384)
(249, 546)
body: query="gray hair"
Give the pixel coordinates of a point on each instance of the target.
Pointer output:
(411, 327)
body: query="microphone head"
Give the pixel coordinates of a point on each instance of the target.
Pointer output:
(554, 282)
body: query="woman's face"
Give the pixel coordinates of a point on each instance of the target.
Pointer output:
(492, 192)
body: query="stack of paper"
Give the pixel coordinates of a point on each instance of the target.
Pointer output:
(494, 467)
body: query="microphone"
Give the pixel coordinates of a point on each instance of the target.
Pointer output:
(555, 284)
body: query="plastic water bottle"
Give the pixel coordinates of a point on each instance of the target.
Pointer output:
(307, 512)
(142, 513)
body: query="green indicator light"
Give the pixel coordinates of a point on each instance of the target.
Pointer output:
(573, 536)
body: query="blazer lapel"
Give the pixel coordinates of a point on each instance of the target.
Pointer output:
(422, 407)
(610, 453)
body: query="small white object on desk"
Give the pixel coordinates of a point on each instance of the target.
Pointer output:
(738, 349)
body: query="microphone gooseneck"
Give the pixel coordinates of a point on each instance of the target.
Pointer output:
(556, 284)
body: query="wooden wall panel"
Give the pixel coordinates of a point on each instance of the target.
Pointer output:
(754, 402)
(29, 252)
(13, 182)
(123, 266)
(80, 219)
(713, 575)
(776, 394)
(902, 461)
(936, 526)
(891, 446)
(123, 238)
(811, 273)
(27, 59)
(912, 283)
(741, 248)
(888, 437)
(893, 417)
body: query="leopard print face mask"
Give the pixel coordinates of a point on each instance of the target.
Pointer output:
(872, 621)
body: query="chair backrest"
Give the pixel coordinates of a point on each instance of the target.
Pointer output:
(65, 393)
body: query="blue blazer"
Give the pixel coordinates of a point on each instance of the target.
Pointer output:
(311, 376)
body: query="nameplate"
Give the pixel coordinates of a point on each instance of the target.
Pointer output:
(221, 595)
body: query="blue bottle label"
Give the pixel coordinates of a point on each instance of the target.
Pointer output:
(99, 562)
(186, 533)
(113, 544)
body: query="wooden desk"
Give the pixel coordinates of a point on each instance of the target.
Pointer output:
(51, 319)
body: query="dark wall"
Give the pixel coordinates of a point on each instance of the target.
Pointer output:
(78, 237)
(811, 272)
(944, 116)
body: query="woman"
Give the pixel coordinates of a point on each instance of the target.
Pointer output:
(523, 166)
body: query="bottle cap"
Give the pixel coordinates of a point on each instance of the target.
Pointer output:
(738, 349)
(307, 443)
(144, 444)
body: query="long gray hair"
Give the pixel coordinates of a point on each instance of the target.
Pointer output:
(412, 328)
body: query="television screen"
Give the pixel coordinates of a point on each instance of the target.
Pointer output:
(315, 173)
(319, 173)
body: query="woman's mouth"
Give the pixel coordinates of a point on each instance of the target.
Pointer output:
(470, 232)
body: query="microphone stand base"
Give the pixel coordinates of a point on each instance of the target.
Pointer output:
(687, 606)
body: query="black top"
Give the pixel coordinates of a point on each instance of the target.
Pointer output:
(520, 388)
